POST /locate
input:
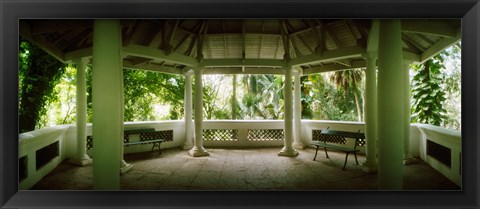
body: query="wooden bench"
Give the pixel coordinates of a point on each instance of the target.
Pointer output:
(327, 135)
(147, 136)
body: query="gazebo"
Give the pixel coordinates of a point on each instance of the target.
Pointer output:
(289, 47)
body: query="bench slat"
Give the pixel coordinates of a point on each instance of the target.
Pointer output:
(345, 149)
(344, 134)
(143, 142)
(138, 131)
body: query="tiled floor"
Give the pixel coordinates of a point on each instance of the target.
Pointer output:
(243, 169)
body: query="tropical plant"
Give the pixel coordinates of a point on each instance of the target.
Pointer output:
(427, 93)
(350, 80)
(39, 73)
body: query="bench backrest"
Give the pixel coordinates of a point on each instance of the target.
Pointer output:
(340, 137)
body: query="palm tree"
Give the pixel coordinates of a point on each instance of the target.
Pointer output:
(350, 80)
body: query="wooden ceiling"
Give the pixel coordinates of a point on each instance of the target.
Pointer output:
(236, 46)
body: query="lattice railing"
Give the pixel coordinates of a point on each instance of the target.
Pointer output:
(220, 134)
(90, 142)
(317, 136)
(265, 134)
(439, 152)
(166, 135)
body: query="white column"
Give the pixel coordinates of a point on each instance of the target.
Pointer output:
(107, 93)
(297, 109)
(390, 106)
(188, 111)
(198, 150)
(370, 165)
(407, 157)
(81, 158)
(287, 149)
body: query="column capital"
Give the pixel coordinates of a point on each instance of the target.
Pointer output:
(198, 68)
(188, 72)
(297, 71)
(82, 60)
(371, 55)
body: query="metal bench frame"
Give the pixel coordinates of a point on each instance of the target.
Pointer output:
(155, 142)
(343, 135)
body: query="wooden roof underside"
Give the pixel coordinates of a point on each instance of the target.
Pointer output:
(234, 46)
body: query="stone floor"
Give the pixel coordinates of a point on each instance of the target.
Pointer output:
(243, 169)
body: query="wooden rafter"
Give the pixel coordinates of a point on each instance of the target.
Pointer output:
(306, 44)
(244, 36)
(412, 43)
(180, 43)
(350, 30)
(278, 47)
(73, 43)
(318, 41)
(286, 41)
(225, 40)
(201, 40)
(426, 39)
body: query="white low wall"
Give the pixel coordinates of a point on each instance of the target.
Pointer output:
(243, 127)
(30, 142)
(450, 139)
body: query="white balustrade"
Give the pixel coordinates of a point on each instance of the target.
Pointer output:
(232, 133)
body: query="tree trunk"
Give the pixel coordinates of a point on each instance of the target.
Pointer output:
(357, 103)
(234, 97)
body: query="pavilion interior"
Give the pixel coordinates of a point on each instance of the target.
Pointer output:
(290, 47)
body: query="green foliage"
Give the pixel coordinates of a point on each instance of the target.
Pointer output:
(328, 101)
(62, 110)
(427, 93)
(144, 89)
(350, 81)
(38, 74)
(264, 97)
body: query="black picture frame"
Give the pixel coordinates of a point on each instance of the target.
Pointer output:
(12, 11)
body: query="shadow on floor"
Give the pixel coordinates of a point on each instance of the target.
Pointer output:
(248, 169)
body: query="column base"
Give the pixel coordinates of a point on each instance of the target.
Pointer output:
(408, 159)
(187, 146)
(125, 167)
(369, 168)
(86, 160)
(288, 152)
(300, 146)
(198, 152)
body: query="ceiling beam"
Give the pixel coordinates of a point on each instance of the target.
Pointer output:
(440, 46)
(437, 48)
(243, 63)
(77, 54)
(158, 54)
(153, 67)
(337, 54)
(245, 70)
(410, 56)
(429, 27)
(333, 67)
